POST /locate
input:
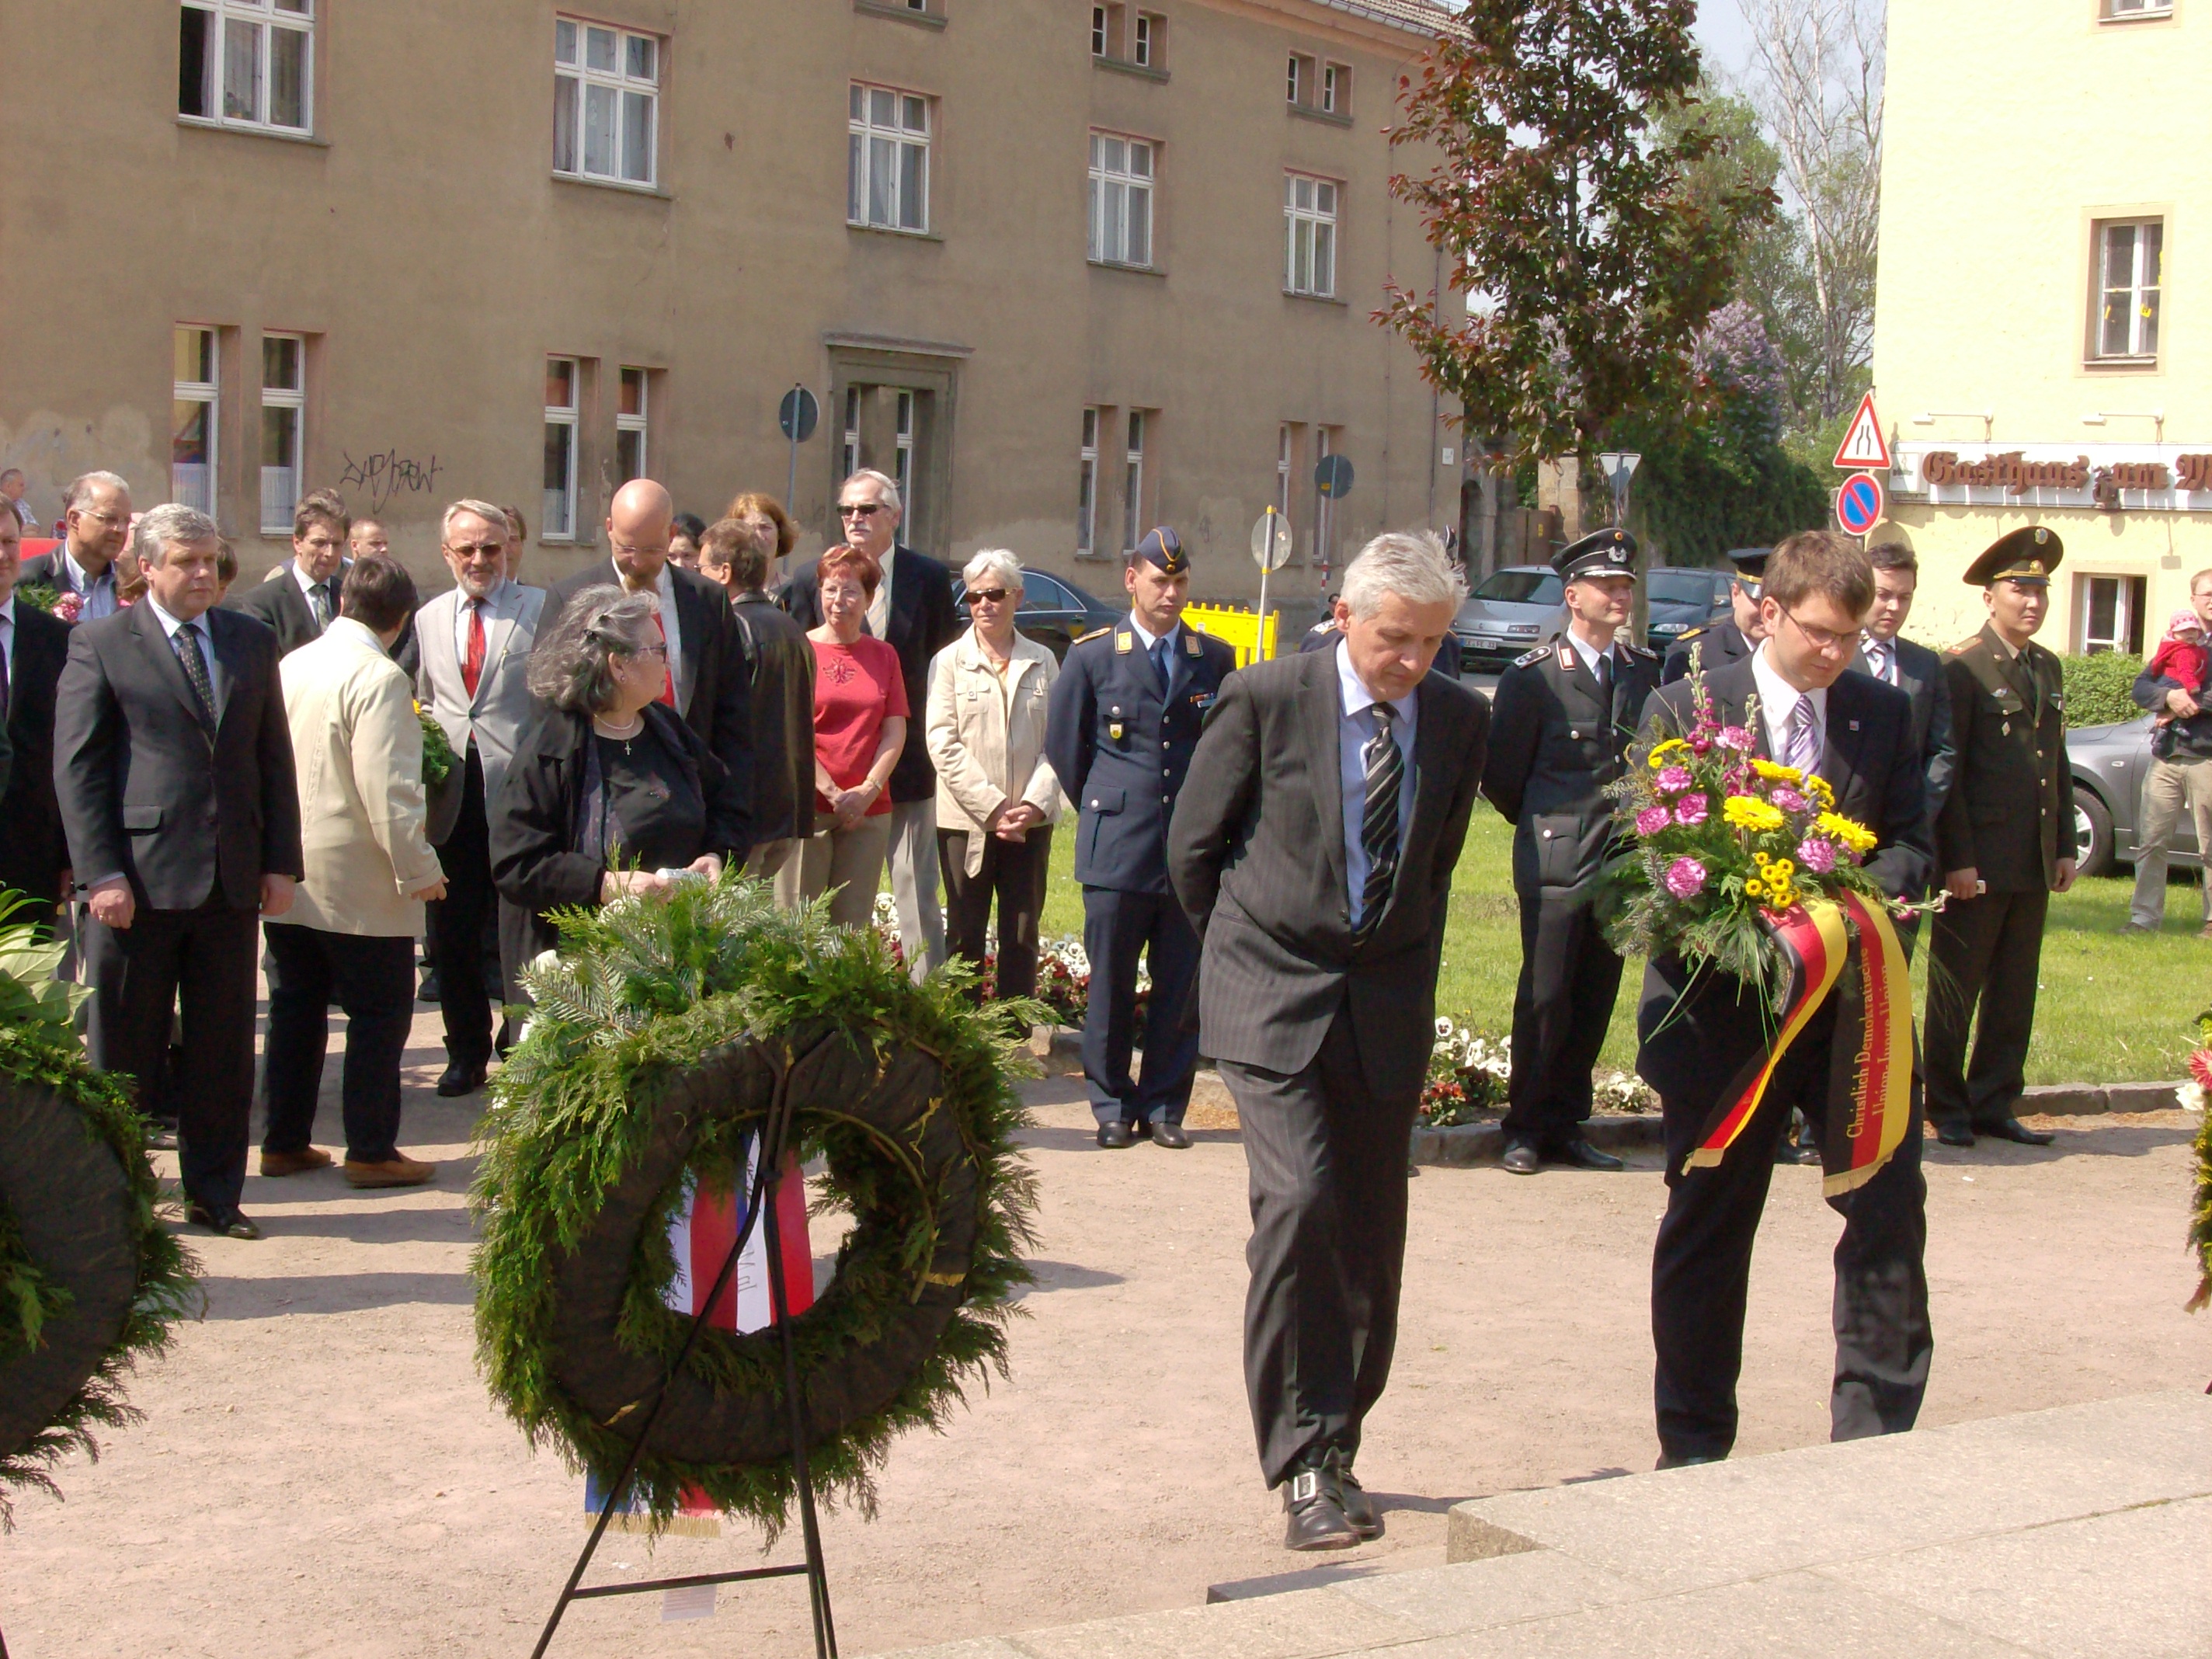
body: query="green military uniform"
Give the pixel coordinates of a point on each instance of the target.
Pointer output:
(2009, 819)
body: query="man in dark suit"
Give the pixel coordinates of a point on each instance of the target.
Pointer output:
(301, 596)
(1314, 849)
(1559, 729)
(172, 763)
(1721, 644)
(911, 610)
(2006, 839)
(1125, 716)
(1912, 669)
(1701, 1028)
(96, 528)
(707, 672)
(780, 667)
(33, 854)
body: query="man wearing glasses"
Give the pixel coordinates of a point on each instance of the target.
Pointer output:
(97, 523)
(1732, 640)
(473, 643)
(913, 612)
(1702, 1032)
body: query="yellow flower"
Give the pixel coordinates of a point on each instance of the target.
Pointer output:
(1661, 750)
(1818, 788)
(1786, 869)
(1747, 812)
(1775, 773)
(1855, 836)
(1753, 888)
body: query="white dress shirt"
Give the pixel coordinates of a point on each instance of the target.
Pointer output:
(1778, 704)
(491, 602)
(1881, 657)
(1354, 726)
(8, 643)
(307, 588)
(1590, 655)
(879, 603)
(216, 677)
(99, 591)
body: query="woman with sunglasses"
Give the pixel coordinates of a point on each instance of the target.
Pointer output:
(997, 795)
(860, 728)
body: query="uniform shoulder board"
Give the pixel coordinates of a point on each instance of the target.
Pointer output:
(1095, 634)
(1692, 633)
(1966, 645)
(1644, 652)
(1530, 658)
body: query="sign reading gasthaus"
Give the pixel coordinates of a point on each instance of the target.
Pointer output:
(2130, 477)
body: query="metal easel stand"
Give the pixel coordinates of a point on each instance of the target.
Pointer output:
(759, 1209)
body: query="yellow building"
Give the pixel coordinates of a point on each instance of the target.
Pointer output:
(2042, 333)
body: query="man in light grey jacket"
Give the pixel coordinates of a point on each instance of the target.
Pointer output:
(474, 642)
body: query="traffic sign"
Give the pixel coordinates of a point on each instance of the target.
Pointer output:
(1270, 540)
(1333, 477)
(1863, 446)
(796, 414)
(1859, 503)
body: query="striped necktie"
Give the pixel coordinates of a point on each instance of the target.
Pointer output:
(1803, 742)
(1378, 823)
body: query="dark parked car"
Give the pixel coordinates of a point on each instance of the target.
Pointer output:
(1684, 598)
(1054, 612)
(2108, 762)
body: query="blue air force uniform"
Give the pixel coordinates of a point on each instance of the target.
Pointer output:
(1125, 716)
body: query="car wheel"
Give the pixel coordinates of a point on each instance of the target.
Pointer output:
(2092, 831)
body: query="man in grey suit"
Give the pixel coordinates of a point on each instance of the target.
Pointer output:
(1313, 848)
(300, 597)
(474, 644)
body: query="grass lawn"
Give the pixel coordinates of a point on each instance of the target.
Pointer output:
(2113, 1008)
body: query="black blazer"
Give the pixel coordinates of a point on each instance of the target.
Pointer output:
(720, 709)
(780, 661)
(1920, 676)
(923, 621)
(142, 790)
(1696, 1029)
(1256, 853)
(278, 602)
(34, 852)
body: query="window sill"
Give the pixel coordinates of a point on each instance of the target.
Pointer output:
(893, 230)
(201, 123)
(1318, 299)
(884, 9)
(2121, 365)
(1131, 270)
(1123, 66)
(2123, 19)
(1308, 113)
(651, 192)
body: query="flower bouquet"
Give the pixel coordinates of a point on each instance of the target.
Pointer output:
(437, 750)
(67, 607)
(1743, 867)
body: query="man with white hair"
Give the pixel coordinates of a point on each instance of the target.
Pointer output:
(96, 525)
(1314, 849)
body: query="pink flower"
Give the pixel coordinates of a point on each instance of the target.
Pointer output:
(1734, 737)
(1672, 779)
(1787, 799)
(1685, 878)
(68, 606)
(1652, 819)
(1817, 855)
(1701, 744)
(1691, 810)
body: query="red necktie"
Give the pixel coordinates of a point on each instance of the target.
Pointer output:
(667, 667)
(472, 665)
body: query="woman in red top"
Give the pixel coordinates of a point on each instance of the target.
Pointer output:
(860, 726)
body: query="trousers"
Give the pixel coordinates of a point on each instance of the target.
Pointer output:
(1116, 928)
(914, 884)
(1570, 977)
(373, 980)
(456, 924)
(850, 861)
(2169, 787)
(1986, 950)
(1014, 873)
(1327, 1164)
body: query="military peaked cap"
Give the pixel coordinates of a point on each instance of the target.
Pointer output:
(1602, 553)
(2027, 555)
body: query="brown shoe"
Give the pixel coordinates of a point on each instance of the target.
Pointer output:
(397, 1171)
(2205, 932)
(299, 1163)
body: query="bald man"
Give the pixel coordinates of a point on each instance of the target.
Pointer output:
(707, 679)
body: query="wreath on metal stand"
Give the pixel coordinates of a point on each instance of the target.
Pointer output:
(668, 1036)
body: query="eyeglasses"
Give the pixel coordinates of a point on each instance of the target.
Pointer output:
(859, 509)
(1823, 639)
(486, 550)
(988, 596)
(648, 651)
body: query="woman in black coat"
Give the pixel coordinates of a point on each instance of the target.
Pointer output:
(609, 792)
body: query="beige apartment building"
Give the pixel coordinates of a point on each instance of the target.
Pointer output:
(1066, 269)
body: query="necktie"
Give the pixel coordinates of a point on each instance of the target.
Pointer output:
(1160, 664)
(318, 599)
(1803, 745)
(1881, 656)
(1378, 823)
(186, 641)
(667, 663)
(472, 664)
(1605, 678)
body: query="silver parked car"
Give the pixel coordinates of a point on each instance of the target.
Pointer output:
(1514, 610)
(2108, 763)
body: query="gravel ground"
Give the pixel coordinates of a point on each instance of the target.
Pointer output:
(320, 1471)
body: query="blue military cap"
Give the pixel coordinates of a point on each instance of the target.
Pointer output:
(1164, 548)
(1750, 564)
(1602, 553)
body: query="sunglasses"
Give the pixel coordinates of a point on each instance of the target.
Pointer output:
(988, 596)
(860, 510)
(478, 550)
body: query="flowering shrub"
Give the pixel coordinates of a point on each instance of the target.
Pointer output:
(2192, 1094)
(1469, 1071)
(1063, 967)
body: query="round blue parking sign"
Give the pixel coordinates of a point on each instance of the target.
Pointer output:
(1859, 503)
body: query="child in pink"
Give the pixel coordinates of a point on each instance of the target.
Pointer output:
(2181, 656)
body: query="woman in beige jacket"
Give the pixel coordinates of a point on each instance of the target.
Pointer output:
(357, 748)
(997, 796)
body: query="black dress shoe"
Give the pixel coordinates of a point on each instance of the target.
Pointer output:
(2011, 1128)
(161, 1136)
(1352, 1496)
(1316, 1518)
(229, 1223)
(1579, 1154)
(1521, 1158)
(1115, 1135)
(1171, 1135)
(459, 1079)
(1668, 1461)
(1792, 1151)
(429, 991)
(1954, 1134)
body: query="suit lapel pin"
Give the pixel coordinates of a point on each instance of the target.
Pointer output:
(1855, 726)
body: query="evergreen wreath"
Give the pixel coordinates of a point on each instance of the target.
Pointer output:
(661, 1030)
(90, 1282)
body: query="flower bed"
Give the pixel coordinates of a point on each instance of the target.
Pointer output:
(1470, 1069)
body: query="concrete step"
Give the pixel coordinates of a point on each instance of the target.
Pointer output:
(2079, 1533)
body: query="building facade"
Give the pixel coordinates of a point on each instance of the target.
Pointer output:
(1066, 270)
(2043, 338)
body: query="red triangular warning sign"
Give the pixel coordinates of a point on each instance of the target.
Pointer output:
(1863, 446)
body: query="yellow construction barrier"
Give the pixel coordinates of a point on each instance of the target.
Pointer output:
(1247, 632)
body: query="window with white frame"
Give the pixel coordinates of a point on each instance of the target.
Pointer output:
(2131, 257)
(193, 426)
(1120, 200)
(564, 399)
(902, 462)
(606, 103)
(849, 453)
(1100, 36)
(1335, 89)
(283, 428)
(1132, 482)
(1285, 461)
(1324, 508)
(1309, 232)
(1149, 50)
(1300, 80)
(247, 63)
(1086, 491)
(887, 170)
(2125, 9)
(630, 425)
(2108, 613)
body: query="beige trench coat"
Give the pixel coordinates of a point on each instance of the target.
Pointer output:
(987, 737)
